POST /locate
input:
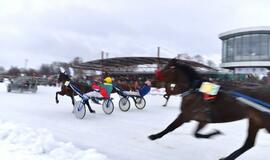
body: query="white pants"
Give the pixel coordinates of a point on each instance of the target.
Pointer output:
(94, 94)
(132, 93)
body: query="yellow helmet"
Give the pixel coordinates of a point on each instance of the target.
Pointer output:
(108, 80)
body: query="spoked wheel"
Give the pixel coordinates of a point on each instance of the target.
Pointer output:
(79, 110)
(107, 106)
(140, 102)
(124, 104)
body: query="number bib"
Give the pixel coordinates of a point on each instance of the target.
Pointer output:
(209, 88)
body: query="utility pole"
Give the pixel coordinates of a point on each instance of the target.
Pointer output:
(158, 57)
(102, 67)
(102, 55)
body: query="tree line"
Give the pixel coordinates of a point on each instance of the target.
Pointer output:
(43, 70)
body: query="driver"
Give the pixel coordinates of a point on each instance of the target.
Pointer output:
(102, 90)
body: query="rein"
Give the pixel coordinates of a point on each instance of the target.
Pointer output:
(189, 92)
(74, 88)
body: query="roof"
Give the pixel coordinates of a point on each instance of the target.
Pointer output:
(231, 65)
(111, 64)
(244, 31)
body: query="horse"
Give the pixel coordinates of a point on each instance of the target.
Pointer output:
(224, 108)
(66, 90)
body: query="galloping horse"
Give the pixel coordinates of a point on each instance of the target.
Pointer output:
(225, 108)
(66, 90)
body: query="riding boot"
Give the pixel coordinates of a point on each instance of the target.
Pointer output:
(95, 100)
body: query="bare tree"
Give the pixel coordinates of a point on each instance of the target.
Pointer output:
(78, 72)
(31, 72)
(77, 60)
(14, 71)
(45, 69)
(199, 58)
(210, 63)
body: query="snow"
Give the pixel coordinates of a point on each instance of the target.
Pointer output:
(21, 142)
(33, 126)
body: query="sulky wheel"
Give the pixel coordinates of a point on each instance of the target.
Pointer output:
(140, 102)
(124, 104)
(108, 106)
(79, 110)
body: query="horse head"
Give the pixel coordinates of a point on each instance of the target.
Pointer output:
(180, 76)
(161, 74)
(63, 77)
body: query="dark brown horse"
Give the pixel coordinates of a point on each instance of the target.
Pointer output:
(66, 90)
(224, 108)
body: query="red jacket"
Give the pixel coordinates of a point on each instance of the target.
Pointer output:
(102, 90)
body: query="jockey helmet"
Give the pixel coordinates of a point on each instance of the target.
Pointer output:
(108, 80)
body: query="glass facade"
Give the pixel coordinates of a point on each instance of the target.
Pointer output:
(249, 47)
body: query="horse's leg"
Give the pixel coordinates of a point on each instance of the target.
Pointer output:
(175, 124)
(56, 95)
(202, 125)
(249, 143)
(267, 127)
(72, 99)
(167, 97)
(89, 107)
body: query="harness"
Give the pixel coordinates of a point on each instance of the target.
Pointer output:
(209, 98)
(210, 94)
(209, 91)
(253, 102)
(206, 97)
(189, 92)
(74, 88)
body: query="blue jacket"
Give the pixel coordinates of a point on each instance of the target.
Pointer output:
(144, 90)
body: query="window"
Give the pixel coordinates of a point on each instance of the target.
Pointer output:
(254, 48)
(264, 46)
(251, 47)
(230, 49)
(246, 40)
(238, 46)
(224, 50)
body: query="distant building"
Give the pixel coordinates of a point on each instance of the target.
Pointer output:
(246, 50)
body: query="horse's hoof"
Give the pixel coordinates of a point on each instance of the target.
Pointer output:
(152, 137)
(57, 102)
(164, 105)
(219, 132)
(92, 111)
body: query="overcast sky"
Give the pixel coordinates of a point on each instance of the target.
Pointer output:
(43, 31)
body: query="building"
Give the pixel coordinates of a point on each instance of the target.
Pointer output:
(246, 50)
(132, 68)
